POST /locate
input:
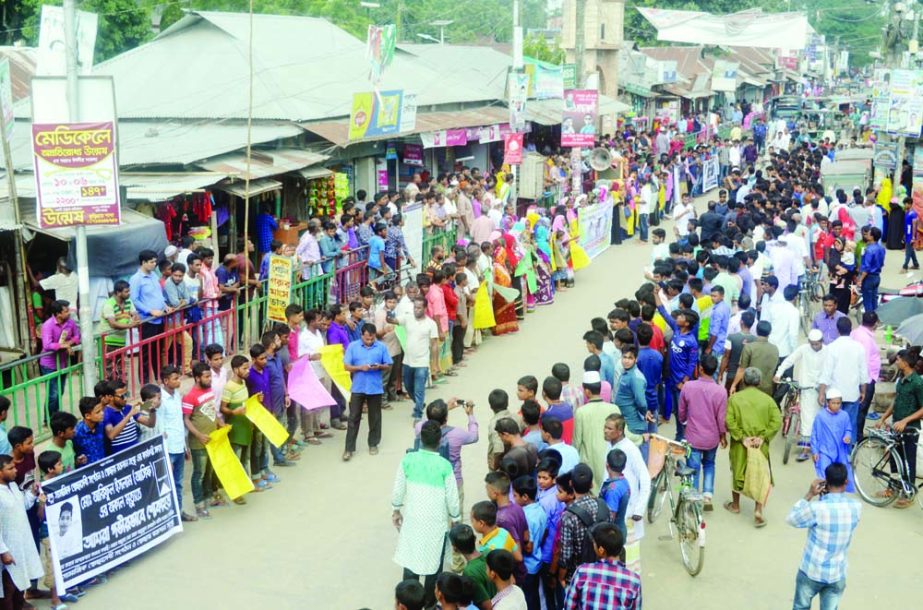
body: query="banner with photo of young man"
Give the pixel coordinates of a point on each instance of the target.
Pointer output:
(108, 512)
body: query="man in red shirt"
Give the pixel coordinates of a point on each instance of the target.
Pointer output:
(200, 412)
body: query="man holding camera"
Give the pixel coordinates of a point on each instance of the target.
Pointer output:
(831, 522)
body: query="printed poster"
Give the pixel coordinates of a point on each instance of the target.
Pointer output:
(279, 291)
(413, 154)
(595, 228)
(569, 76)
(905, 114)
(76, 174)
(380, 46)
(108, 512)
(412, 215)
(512, 148)
(709, 174)
(518, 92)
(578, 126)
(545, 82)
(375, 114)
(724, 75)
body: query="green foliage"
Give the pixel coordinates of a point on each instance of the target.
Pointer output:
(536, 46)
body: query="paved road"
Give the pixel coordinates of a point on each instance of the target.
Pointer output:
(323, 537)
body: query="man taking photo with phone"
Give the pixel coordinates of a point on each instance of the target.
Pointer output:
(831, 522)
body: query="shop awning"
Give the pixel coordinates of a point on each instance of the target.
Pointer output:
(130, 219)
(549, 112)
(337, 132)
(165, 186)
(263, 163)
(257, 187)
(310, 173)
(689, 95)
(636, 89)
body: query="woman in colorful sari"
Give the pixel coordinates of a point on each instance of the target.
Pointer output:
(560, 248)
(513, 257)
(542, 232)
(504, 304)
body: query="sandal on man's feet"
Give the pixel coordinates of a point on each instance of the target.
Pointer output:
(240, 501)
(758, 521)
(729, 506)
(313, 440)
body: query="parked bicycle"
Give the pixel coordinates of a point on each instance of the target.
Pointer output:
(687, 521)
(880, 468)
(791, 417)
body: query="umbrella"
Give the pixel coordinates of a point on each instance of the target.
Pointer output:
(895, 312)
(912, 329)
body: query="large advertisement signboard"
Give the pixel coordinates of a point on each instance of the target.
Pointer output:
(578, 126)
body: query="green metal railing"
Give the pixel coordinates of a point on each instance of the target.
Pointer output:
(441, 237)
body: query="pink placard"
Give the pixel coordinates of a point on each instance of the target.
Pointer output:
(305, 388)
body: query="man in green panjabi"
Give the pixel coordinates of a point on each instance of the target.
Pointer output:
(753, 419)
(589, 423)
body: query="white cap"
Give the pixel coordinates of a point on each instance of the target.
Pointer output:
(815, 335)
(170, 251)
(834, 393)
(591, 377)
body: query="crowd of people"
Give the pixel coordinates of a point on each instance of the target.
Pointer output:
(703, 345)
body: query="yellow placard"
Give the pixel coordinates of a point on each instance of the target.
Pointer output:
(578, 255)
(279, 287)
(227, 466)
(483, 309)
(265, 421)
(331, 358)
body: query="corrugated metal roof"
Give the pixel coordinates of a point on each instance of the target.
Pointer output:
(148, 143)
(485, 66)
(304, 69)
(22, 68)
(263, 163)
(550, 112)
(257, 187)
(337, 132)
(165, 186)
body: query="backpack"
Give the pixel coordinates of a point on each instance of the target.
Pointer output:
(443, 444)
(587, 554)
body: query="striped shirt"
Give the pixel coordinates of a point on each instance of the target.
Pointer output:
(830, 523)
(128, 437)
(604, 585)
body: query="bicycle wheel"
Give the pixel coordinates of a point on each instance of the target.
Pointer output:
(792, 433)
(658, 495)
(691, 536)
(807, 313)
(872, 472)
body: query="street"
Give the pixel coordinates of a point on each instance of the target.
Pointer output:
(322, 538)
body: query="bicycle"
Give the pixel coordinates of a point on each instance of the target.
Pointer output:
(809, 294)
(791, 417)
(879, 469)
(687, 523)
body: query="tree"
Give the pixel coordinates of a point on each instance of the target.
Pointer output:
(536, 46)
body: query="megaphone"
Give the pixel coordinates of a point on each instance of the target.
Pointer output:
(600, 159)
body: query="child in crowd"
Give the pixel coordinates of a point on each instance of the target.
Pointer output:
(200, 416)
(23, 442)
(831, 436)
(150, 403)
(484, 522)
(615, 490)
(50, 466)
(234, 411)
(532, 433)
(89, 441)
(527, 388)
(569, 394)
(499, 402)
(63, 427)
(463, 542)
(559, 409)
(524, 493)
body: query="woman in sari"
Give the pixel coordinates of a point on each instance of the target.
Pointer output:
(543, 253)
(504, 304)
(513, 257)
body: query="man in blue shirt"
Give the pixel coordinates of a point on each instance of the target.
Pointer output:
(684, 356)
(873, 260)
(278, 400)
(911, 222)
(650, 363)
(148, 300)
(718, 327)
(365, 359)
(629, 396)
(228, 282)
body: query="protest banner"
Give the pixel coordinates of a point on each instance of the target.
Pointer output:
(595, 228)
(106, 513)
(279, 290)
(265, 421)
(227, 465)
(331, 358)
(305, 388)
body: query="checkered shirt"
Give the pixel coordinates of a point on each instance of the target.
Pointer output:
(830, 523)
(604, 585)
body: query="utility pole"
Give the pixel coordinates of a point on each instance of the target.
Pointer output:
(576, 157)
(517, 69)
(87, 343)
